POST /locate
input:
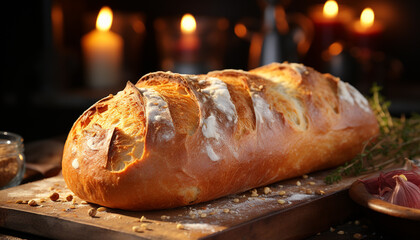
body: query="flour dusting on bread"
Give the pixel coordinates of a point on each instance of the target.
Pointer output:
(157, 112)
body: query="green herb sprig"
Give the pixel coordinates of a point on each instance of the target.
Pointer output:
(399, 139)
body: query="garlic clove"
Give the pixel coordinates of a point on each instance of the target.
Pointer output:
(405, 193)
(385, 182)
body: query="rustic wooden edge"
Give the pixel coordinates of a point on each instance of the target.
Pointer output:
(41, 224)
(360, 195)
(297, 222)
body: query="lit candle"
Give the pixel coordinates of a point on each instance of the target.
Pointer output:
(103, 53)
(188, 47)
(188, 42)
(367, 31)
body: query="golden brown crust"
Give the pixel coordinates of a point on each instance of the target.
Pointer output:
(173, 140)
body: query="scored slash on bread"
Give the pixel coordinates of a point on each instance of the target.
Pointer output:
(171, 139)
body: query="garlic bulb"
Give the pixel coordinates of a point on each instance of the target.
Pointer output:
(400, 187)
(405, 193)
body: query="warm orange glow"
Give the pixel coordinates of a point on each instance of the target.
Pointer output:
(367, 17)
(240, 30)
(104, 21)
(188, 24)
(335, 48)
(330, 9)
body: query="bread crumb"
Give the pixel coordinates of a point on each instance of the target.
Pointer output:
(236, 200)
(341, 232)
(226, 210)
(180, 226)
(254, 193)
(267, 190)
(54, 196)
(32, 203)
(298, 183)
(136, 229)
(144, 226)
(281, 201)
(282, 193)
(92, 212)
(357, 236)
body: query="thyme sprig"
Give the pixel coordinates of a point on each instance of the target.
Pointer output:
(399, 139)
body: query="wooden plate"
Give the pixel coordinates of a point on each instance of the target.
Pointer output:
(360, 195)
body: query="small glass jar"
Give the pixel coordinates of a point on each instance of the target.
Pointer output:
(12, 159)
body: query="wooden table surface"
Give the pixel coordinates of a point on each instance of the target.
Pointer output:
(304, 213)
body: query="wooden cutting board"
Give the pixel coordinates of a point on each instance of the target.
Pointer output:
(307, 206)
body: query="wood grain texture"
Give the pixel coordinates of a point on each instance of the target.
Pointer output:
(261, 217)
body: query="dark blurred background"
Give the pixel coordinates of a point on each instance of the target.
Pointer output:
(43, 83)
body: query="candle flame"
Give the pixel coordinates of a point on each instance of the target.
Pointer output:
(188, 24)
(367, 17)
(104, 20)
(330, 9)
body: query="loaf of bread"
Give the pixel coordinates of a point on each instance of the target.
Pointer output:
(173, 140)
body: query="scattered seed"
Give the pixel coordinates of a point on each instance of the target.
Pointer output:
(312, 183)
(320, 192)
(144, 226)
(236, 200)
(298, 183)
(163, 217)
(137, 229)
(19, 201)
(142, 219)
(74, 201)
(357, 222)
(180, 226)
(267, 190)
(92, 212)
(281, 201)
(83, 202)
(282, 193)
(73, 207)
(280, 186)
(341, 232)
(309, 191)
(226, 210)
(101, 209)
(332, 229)
(203, 215)
(305, 176)
(54, 196)
(69, 197)
(254, 193)
(357, 236)
(32, 203)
